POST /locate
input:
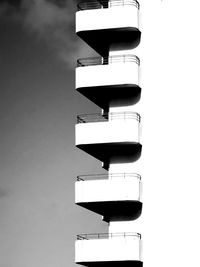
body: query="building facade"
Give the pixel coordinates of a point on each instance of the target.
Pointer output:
(113, 136)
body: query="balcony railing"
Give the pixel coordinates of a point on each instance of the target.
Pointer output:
(105, 4)
(106, 176)
(86, 118)
(93, 61)
(107, 236)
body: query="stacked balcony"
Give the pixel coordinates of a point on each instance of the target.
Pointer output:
(109, 25)
(111, 138)
(109, 195)
(113, 249)
(109, 81)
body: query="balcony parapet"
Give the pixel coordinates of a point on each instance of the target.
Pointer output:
(121, 196)
(88, 5)
(113, 249)
(112, 137)
(101, 26)
(109, 80)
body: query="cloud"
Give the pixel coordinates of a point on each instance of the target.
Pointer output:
(9, 8)
(54, 22)
(3, 10)
(50, 20)
(3, 192)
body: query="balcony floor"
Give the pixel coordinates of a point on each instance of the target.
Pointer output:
(112, 264)
(116, 95)
(115, 210)
(118, 152)
(118, 38)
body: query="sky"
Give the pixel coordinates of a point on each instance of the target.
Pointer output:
(38, 159)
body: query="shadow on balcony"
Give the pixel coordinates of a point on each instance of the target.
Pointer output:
(120, 126)
(121, 199)
(119, 36)
(103, 128)
(113, 249)
(121, 88)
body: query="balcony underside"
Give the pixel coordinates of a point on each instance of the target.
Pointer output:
(113, 264)
(115, 95)
(115, 210)
(117, 38)
(118, 152)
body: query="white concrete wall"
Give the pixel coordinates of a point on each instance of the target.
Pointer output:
(112, 249)
(124, 167)
(104, 132)
(169, 54)
(122, 226)
(119, 188)
(114, 17)
(112, 74)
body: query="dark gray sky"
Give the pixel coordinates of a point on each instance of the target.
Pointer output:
(38, 160)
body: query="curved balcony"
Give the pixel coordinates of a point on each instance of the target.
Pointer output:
(113, 249)
(121, 198)
(111, 138)
(98, 23)
(109, 81)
